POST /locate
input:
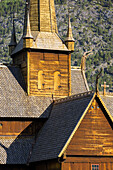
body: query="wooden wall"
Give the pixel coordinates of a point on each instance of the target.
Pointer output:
(25, 128)
(21, 60)
(92, 143)
(94, 135)
(31, 63)
(42, 16)
(34, 15)
(49, 63)
(13, 127)
(85, 163)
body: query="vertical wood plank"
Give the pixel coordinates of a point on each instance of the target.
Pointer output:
(28, 88)
(69, 79)
(50, 64)
(94, 135)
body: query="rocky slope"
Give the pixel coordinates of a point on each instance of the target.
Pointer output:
(92, 24)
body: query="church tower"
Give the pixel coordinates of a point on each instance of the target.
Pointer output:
(44, 59)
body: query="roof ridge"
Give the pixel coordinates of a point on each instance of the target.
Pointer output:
(107, 94)
(72, 97)
(76, 68)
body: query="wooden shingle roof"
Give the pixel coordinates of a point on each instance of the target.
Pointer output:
(78, 81)
(108, 101)
(15, 150)
(43, 26)
(13, 99)
(45, 41)
(64, 117)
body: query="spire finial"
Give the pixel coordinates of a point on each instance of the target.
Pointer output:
(69, 32)
(97, 78)
(27, 31)
(13, 36)
(13, 42)
(69, 41)
(68, 7)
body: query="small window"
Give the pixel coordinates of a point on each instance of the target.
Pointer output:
(57, 77)
(92, 107)
(40, 79)
(95, 167)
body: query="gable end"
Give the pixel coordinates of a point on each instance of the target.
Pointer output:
(94, 135)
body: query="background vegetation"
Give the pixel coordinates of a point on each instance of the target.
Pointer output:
(92, 24)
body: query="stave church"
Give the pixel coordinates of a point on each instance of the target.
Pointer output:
(49, 119)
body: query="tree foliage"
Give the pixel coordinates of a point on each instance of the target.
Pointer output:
(92, 24)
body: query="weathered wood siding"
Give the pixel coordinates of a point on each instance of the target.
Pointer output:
(21, 60)
(34, 15)
(42, 16)
(10, 128)
(49, 63)
(94, 135)
(13, 127)
(84, 163)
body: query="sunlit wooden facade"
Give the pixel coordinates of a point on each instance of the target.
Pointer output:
(89, 146)
(37, 130)
(41, 49)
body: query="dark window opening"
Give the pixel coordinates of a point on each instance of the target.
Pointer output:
(95, 167)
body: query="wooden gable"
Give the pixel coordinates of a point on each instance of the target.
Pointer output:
(94, 136)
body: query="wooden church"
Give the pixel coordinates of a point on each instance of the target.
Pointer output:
(49, 120)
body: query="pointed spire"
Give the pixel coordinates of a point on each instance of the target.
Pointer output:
(13, 42)
(27, 30)
(69, 41)
(69, 33)
(13, 36)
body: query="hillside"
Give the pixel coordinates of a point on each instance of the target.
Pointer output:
(92, 24)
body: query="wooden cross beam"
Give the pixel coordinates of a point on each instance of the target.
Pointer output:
(105, 86)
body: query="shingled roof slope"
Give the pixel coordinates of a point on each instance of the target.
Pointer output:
(64, 117)
(78, 82)
(44, 40)
(108, 100)
(15, 151)
(13, 99)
